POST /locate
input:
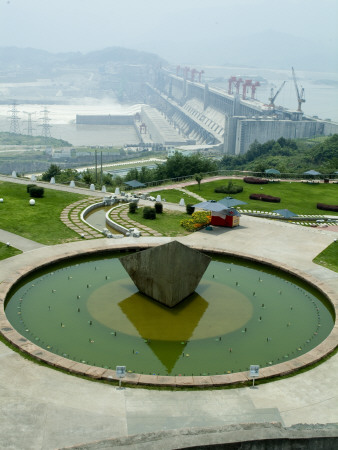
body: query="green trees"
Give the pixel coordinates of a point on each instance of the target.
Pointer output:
(67, 175)
(198, 178)
(88, 177)
(52, 171)
(175, 167)
(287, 156)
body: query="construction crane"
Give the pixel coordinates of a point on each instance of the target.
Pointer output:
(246, 84)
(193, 72)
(274, 96)
(231, 80)
(253, 88)
(238, 84)
(300, 95)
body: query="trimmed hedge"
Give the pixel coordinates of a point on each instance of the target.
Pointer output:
(325, 207)
(158, 208)
(29, 186)
(254, 180)
(265, 198)
(36, 191)
(132, 207)
(189, 209)
(149, 213)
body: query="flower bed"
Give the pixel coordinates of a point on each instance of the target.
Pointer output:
(325, 207)
(265, 198)
(254, 180)
(199, 219)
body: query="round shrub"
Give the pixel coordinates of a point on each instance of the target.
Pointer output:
(132, 207)
(36, 192)
(149, 213)
(189, 209)
(158, 208)
(29, 186)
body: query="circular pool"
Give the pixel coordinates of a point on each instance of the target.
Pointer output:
(88, 310)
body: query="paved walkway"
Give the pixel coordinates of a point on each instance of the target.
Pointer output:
(19, 242)
(41, 408)
(70, 216)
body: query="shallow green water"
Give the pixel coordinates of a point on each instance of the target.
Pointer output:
(89, 310)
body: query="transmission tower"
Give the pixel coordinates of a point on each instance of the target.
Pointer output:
(45, 125)
(15, 120)
(29, 123)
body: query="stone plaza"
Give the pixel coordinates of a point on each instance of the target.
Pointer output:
(42, 408)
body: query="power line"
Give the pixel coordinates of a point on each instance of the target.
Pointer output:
(45, 125)
(29, 123)
(15, 120)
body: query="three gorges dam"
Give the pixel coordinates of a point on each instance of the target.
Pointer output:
(180, 111)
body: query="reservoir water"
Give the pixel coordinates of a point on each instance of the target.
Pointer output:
(321, 94)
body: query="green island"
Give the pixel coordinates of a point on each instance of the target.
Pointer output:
(7, 251)
(41, 222)
(167, 223)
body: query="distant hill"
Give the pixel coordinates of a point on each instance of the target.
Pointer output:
(28, 58)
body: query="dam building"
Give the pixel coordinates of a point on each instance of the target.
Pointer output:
(178, 111)
(206, 115)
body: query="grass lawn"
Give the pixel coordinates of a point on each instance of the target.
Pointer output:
(300, 198)
(329, 257)
(167, 223)
(7, 252)
(174, 196)
(40, 222)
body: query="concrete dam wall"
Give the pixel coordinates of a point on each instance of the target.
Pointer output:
(212, 116)
(104, 119)
(246, 131)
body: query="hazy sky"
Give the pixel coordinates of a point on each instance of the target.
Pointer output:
(163, 27)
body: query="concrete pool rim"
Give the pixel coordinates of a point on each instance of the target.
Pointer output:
(40, 260)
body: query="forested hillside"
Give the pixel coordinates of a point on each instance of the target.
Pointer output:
(288, 156)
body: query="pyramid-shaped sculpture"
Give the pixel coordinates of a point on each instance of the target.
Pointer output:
(167, 273)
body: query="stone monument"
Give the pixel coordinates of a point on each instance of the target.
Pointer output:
(168, 273)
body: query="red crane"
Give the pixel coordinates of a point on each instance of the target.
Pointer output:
(246, 84)
(253, 88)
(238, 84)
(193, 73)
(231, 80)
(186, 71)
(200, 75)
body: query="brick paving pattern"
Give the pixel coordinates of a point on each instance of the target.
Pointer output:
(120, 216)
(70, 216)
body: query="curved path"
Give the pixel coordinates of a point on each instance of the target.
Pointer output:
(41, 408)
